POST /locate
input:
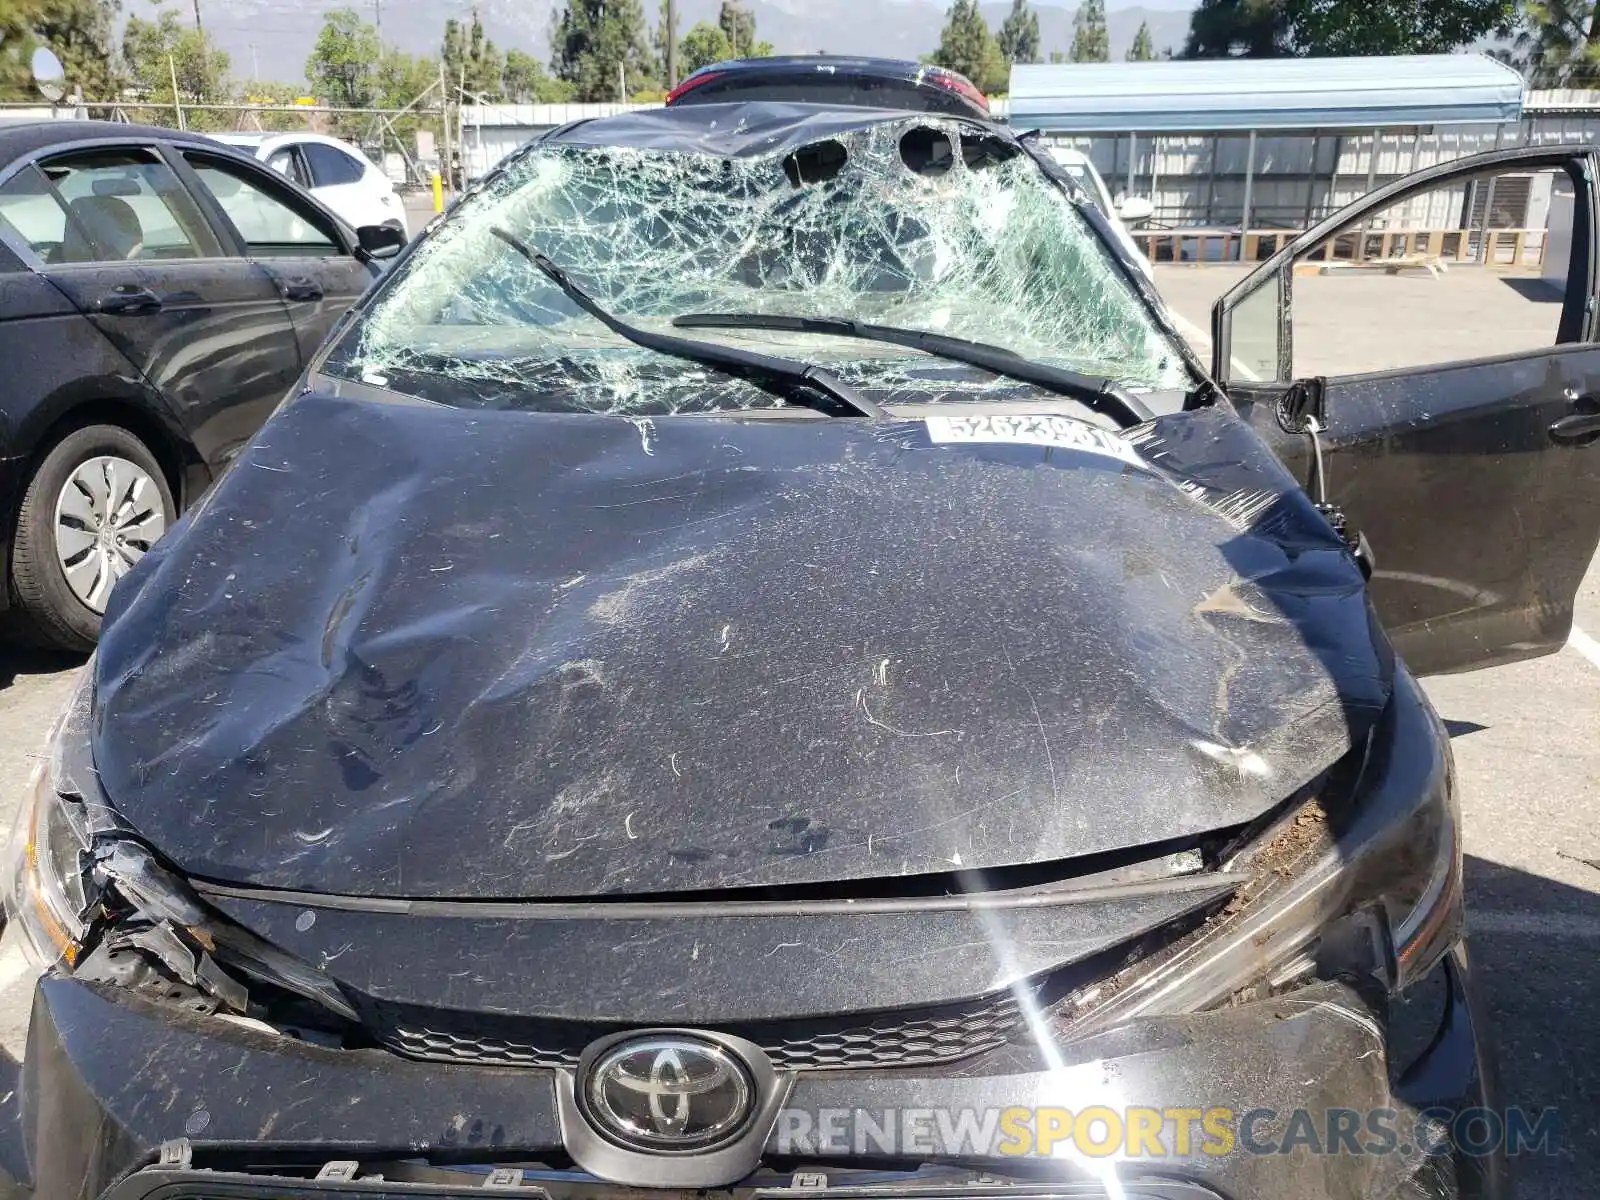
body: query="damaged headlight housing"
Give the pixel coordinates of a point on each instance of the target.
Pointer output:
(78, 876)
(1367, 884)
(48, 897)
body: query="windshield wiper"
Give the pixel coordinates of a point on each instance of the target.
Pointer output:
(796, 379)
(1103, 395)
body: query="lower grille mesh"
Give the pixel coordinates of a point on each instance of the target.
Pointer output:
(894, 1039)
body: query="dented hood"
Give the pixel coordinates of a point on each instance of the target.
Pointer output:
(410, 651)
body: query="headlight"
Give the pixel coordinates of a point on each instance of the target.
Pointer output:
(1371, 886)
(48, 897)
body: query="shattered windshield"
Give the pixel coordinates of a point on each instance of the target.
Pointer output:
(914, 222)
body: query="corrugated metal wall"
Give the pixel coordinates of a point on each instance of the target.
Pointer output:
(1199, 181)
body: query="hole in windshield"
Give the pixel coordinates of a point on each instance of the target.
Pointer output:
(979, 151)
(817, 163)
(927, 151)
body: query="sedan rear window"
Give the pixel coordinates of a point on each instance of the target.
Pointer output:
(331, 166)
(105, 206)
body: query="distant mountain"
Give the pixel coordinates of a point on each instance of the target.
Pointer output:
(270, 39)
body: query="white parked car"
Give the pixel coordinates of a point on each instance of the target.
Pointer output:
(1120, 213)
(334, 172)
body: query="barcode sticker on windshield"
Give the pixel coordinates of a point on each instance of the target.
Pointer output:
(1036, 430)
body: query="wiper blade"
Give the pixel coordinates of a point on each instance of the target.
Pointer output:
(798, 379)
(1101, 394)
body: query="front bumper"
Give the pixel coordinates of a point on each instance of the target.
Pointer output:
(108, 1081)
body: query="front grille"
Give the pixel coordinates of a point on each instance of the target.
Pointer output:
(907, 1038)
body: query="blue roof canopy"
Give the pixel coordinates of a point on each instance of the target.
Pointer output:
(1239, 94)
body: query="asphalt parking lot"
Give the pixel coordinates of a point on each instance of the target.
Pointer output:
(1527, 742)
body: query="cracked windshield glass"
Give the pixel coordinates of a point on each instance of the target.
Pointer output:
(917, 223)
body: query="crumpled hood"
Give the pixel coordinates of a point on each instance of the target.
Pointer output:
(410, 651)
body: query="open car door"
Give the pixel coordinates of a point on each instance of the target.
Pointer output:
(1465, 449)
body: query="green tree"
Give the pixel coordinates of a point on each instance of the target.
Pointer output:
(398, 80)
(154, 51)
(1238, 29)
(342, 66)
(79, 32)
(597, 44)
(1273, 28)
(1337, 27)
(1019, 34)
(1091, 40)
(1556, 43)
(1143, 48)
(738, 23)
(966, 45)
(659, 43)
(526, 82)
(471, 60)
(701, 46)
(485, 66)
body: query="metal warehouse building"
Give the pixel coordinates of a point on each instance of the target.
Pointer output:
(1277, 143)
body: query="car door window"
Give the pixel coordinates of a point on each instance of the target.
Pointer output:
(1423, 364)
(1411, 284)
(273, 226)
(30, 213)
(107, 206)
(331, 166)
(286, 162)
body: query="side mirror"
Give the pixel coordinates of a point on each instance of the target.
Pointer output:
(380, 241)
(1134, 209)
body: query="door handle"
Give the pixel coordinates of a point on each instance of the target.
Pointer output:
(302, 289)
(1578, 429)
(128, 301)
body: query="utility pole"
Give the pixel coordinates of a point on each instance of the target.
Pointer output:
(444, 110)
(177, 107)
(377, 21)
(672, 44)
(197, 28)
(255, 64)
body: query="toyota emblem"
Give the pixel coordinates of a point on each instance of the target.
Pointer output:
(669, 1093)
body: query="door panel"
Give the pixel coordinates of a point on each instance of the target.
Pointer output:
(138, 258)
(1461, 451)
(211, 334)
(312, 269)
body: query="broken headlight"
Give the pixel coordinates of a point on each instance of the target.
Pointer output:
(1361, 882)
(49, 897)
(85, 889)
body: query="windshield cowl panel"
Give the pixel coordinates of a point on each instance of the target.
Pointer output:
(926, 223)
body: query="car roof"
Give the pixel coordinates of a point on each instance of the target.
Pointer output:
(837, 74)
(28, 137)
(822, 62)
(746, 128)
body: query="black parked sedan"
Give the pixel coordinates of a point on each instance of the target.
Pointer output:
(159, 295)
(760, 665)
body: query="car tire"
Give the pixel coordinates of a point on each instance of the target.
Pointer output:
(99, 477)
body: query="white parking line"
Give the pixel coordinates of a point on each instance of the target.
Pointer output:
(1585, 645)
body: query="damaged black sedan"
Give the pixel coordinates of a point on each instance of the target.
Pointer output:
(758, 663)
